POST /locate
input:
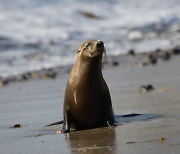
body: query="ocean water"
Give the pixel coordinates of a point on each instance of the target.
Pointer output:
(37, 34)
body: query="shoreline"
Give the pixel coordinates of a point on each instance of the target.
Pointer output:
(128, 60)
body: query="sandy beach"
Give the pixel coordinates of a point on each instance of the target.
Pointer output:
(39, 41)
(38, 102)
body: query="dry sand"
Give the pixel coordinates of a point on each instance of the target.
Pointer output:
(36, 103)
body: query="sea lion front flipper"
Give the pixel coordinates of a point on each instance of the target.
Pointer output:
(109, 108)
(110, 115)
(66, 122)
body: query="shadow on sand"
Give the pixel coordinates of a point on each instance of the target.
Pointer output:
(133, 117)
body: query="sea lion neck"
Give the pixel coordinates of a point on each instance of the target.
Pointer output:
(86, 68)
(92, 66)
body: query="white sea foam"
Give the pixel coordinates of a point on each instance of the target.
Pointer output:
(38, 33)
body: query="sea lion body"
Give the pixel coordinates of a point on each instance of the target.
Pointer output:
(87, 102)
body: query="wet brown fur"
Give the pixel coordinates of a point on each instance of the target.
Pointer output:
(87, 102)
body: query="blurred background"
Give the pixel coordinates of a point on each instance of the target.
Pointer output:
(36, 34)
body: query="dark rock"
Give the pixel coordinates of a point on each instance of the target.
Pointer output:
(153, 58)
(17, 126)
(166, 56)
(52, 75)
(4, 82)
(131, 52)
(176, 50)
(91, 15)
(158, 50)
(26, 76)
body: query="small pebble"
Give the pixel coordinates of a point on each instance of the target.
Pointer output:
(34, 75)
(130, 142)
(38, 135)
(146, 88)
(144, 64)
(91, 15)
(162, 139)
(158, 50)
(115, 63)
(59, 132)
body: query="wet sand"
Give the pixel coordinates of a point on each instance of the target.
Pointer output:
(36, 103)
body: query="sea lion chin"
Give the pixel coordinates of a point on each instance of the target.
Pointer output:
(87, 101)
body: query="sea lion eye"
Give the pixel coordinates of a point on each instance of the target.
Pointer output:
(88, 46)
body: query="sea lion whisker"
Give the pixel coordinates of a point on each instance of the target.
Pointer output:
(108, 123)
(105, 55)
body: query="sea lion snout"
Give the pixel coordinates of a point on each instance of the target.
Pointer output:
(100, 43)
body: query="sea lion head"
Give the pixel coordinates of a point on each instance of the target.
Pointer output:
(92, 49)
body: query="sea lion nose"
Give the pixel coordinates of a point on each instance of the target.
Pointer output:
(100, 43)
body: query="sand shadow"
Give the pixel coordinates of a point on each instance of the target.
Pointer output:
(133, 117)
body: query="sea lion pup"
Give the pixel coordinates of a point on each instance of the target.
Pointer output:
(87, 102)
